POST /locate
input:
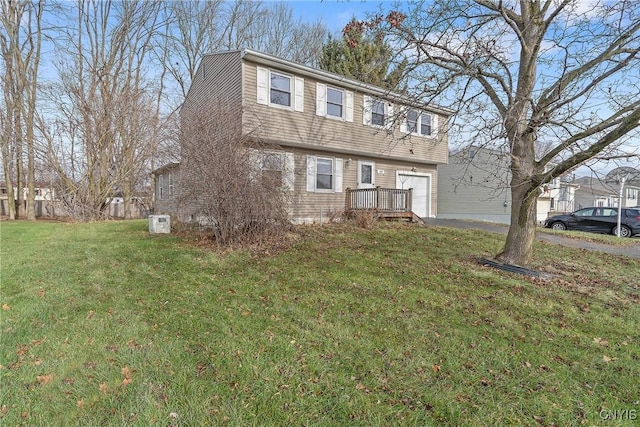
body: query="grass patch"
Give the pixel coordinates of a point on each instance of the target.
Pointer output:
(609, 239)
(104, 324)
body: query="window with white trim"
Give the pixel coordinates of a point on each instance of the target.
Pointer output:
(418, 123)
(160, 185)
(376, 112)
(333, 102)
(170, 184)
(324, 174)
(273, 168)
(279, 89)
(632, 193)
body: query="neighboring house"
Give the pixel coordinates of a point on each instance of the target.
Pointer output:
(341, 139)
(116, 209)
(48, 205)
(605, 193)
(44, 198)
(475, 186)
(555, 198)
(165, 198)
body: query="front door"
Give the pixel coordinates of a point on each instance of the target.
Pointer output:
(365, 174)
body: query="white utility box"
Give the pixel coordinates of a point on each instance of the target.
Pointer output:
(159, 224)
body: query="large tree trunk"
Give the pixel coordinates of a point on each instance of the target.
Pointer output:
(518, 248)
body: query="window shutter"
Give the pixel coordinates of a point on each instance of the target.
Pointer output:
(311, 173)
(338, 185)
(434, 125)
(255, 164)
(366, 110)
(403, 124)
(299, 94)
(288, 175)
(348, 114)
(263, 86)
(321, 99)
(389, 119)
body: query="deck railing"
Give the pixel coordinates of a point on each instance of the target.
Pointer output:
(378, 199)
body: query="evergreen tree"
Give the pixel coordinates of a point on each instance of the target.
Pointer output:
(363, 56)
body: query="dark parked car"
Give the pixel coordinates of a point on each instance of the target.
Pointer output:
(598, 220)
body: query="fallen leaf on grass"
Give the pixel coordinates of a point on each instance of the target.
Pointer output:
(43, 379)
(80, 403)
(126, 371)
(601, 341)
(104, 388)
(6, 307)
(362, 387)
(435, 368)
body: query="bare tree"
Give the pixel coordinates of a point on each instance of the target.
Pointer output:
(192, 30)
(106, 104)
(199, 27)
(242, 198)
(276, 31)
(20, 42)
(561, 72)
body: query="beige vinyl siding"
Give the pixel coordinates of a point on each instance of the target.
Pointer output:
(218, 79)
(306, 207)
(294, 128)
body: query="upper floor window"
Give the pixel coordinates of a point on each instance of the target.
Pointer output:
(160, 186)
(425, 124)
(170, 183)
(334, 102)
(632, 193)
(279, 89)
(376, 112)
(418, 123)
(378, 116)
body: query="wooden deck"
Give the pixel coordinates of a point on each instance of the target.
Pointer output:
(386, 203)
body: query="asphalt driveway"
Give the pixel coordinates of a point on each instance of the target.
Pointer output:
(632, 251)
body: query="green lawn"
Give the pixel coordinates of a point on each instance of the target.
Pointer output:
(104, 324)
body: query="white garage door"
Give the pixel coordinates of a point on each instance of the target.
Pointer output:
(421, 184)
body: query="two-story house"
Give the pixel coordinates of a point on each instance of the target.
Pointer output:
(605, 191)
(475, 185)
(336, 134)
